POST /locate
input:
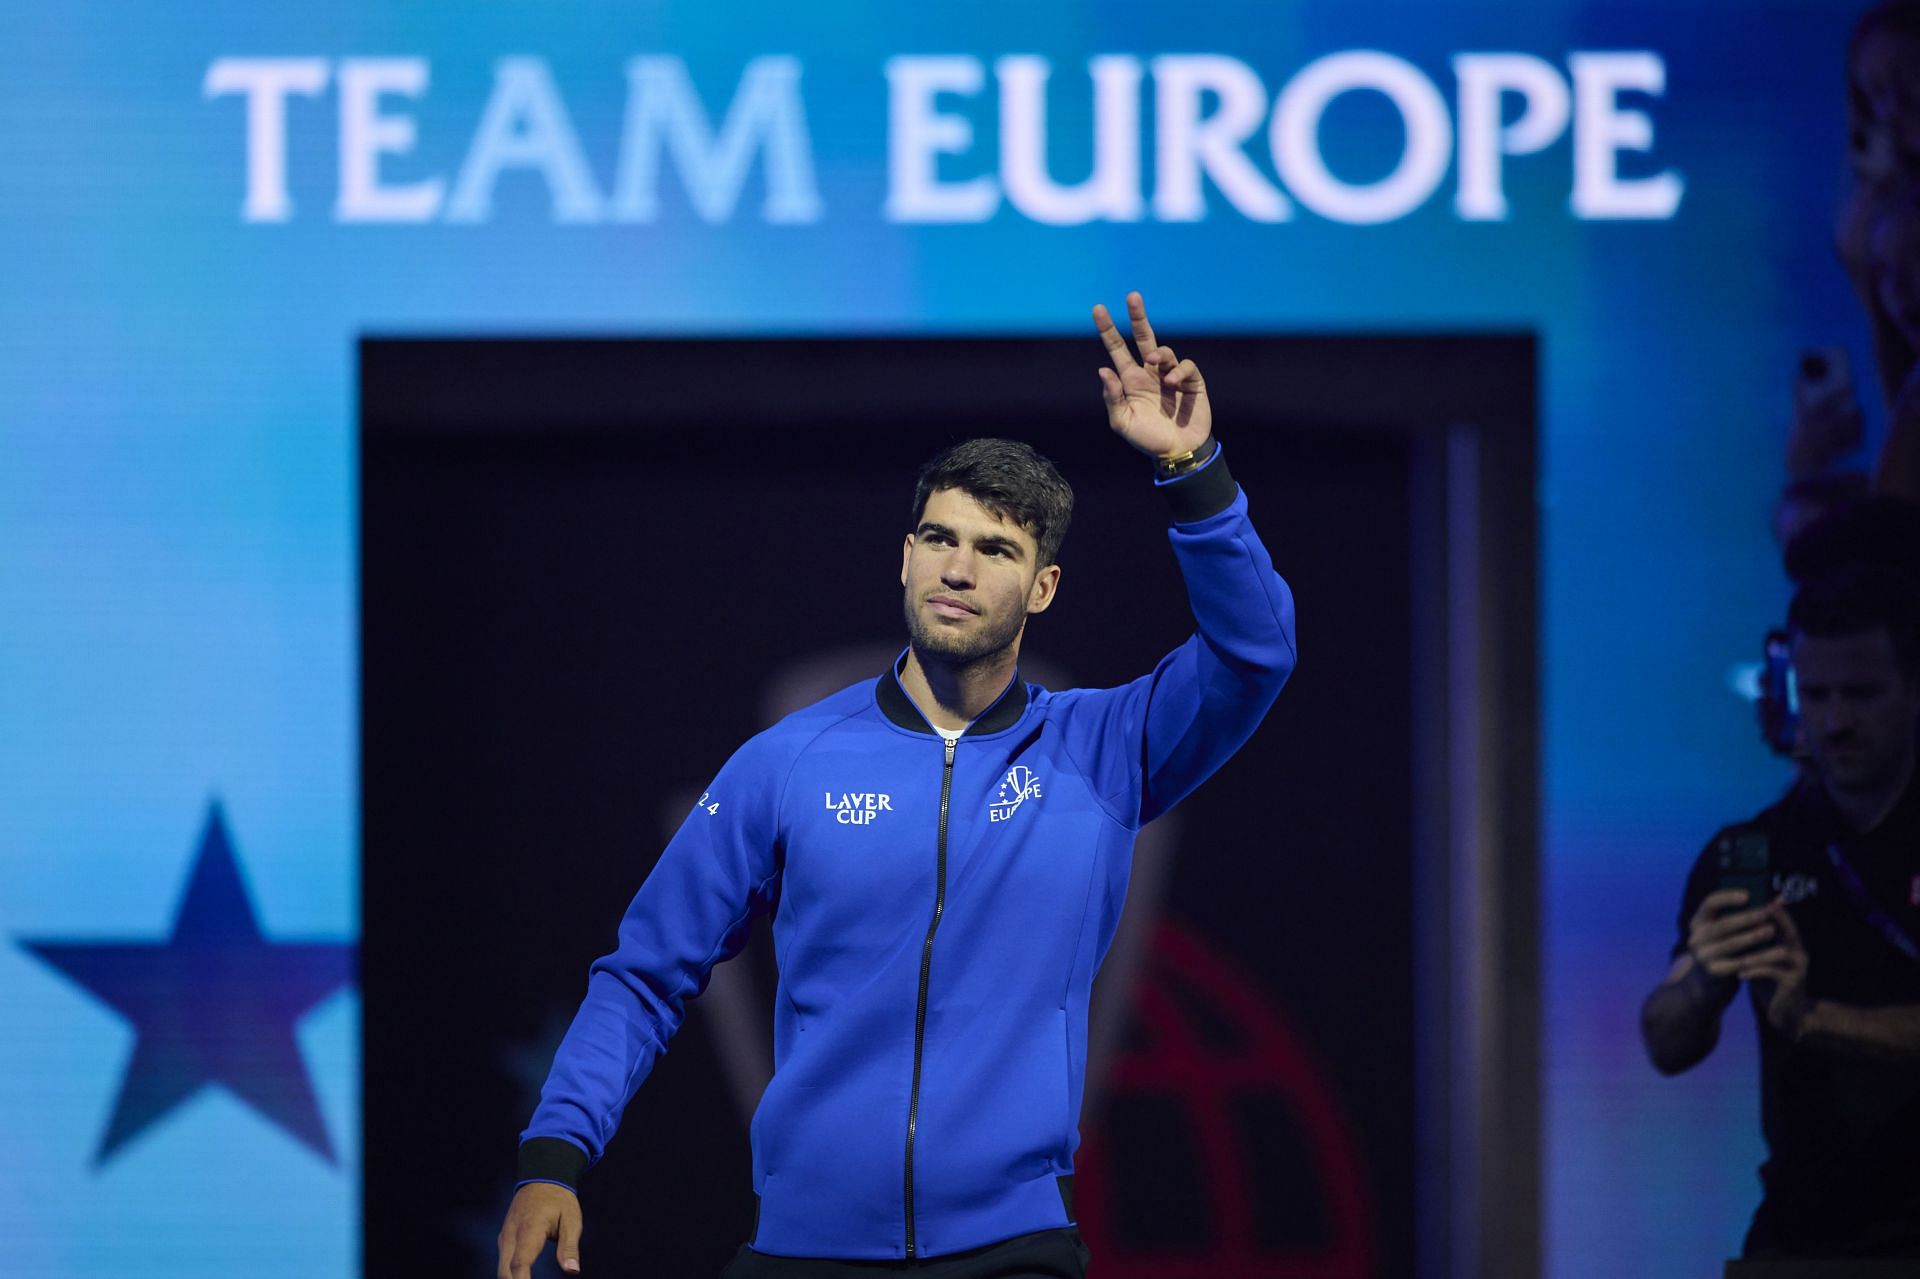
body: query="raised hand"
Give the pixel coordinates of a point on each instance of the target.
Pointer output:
(1156, 403)
(1725, 930)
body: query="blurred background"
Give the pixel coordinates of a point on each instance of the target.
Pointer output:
(1667, 219)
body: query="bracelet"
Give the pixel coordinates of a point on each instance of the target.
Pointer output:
(1168, 468)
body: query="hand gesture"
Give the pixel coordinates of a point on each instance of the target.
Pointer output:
(1784, 968)
(1157, 404)
(1827, 419)
(541, 1210)
(1720, 935)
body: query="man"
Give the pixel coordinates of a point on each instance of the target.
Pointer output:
(944, 851)
(1830, 946)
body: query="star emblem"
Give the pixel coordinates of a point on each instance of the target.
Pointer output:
(214, 1003)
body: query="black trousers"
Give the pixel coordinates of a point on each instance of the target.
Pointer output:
(1045, 1254)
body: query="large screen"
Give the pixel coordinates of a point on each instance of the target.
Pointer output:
(206, 212)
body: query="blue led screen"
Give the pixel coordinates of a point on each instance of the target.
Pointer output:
(203, 211)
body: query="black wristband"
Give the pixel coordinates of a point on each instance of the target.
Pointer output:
(551, 1159)
(1200, 494)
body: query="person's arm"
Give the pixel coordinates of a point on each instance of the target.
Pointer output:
(1891, 1033)
(1680, 1019)
(1205, 698)
(694, 910)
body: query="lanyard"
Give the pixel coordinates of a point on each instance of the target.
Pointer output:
(1896, 936)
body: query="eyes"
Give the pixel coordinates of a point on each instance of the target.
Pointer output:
(992, 550)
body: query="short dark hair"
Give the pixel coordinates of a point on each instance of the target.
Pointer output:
(1880, 529)
(1857, 599)
(1012, 480)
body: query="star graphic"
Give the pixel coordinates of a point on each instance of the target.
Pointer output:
(215, 1003)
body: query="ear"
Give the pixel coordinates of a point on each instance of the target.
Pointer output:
(906, 557)
(1040, 594)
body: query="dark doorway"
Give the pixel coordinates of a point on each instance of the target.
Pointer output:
(590, 569)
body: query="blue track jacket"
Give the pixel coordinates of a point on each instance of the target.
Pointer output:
(941, 909)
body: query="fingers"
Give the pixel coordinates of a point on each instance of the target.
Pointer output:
(1185, 376)
(526, 1250)
(1109, 335)
(528, 1227)
(1715, 932)
(512, 1244)
(1110, 386)
(1717, 912)
(1736, 944)
(1788, 930)
(505, 1269)
(568, 1251)
(1142, 331)
(1768, 965)
(1720, 944)
(1163, 360)
(1720, 899)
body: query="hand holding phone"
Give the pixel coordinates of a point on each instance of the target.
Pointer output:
(1827, 420)
(1746, 865)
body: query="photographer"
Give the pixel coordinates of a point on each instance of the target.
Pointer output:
(1815, 906)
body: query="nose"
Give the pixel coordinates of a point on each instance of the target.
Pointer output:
(956, 570)
(1839, 725)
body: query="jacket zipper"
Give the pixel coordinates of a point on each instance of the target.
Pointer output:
(926, 971)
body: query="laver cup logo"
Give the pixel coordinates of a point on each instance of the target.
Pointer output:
(1016, 788)
(850, 809)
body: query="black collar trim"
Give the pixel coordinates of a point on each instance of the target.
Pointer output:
(897, 706)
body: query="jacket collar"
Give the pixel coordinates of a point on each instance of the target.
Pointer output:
(897, 706)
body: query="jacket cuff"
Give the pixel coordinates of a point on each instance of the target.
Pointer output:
(551, 1159)
(1200, 494)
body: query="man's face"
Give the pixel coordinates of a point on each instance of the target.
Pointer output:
(971, 578)
(1857, 707)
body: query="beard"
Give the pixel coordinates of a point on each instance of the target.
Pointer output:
(959, 649)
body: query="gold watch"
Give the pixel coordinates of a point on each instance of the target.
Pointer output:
(1168, 468)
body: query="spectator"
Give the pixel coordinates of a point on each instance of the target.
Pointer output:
(1829, 944)
(1883, 148)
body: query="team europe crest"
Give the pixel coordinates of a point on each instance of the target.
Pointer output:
(1016, 788)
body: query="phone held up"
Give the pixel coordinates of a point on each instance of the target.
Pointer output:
(1745, 863)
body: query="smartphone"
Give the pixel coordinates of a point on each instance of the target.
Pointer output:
(1779, 699)
(1745, 863)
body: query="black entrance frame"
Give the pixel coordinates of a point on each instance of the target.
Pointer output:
(1466, 405)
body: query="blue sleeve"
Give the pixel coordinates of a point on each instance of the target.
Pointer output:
(694, 910)
(1153, 741)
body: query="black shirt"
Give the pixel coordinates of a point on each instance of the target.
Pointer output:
(1843, 1129)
